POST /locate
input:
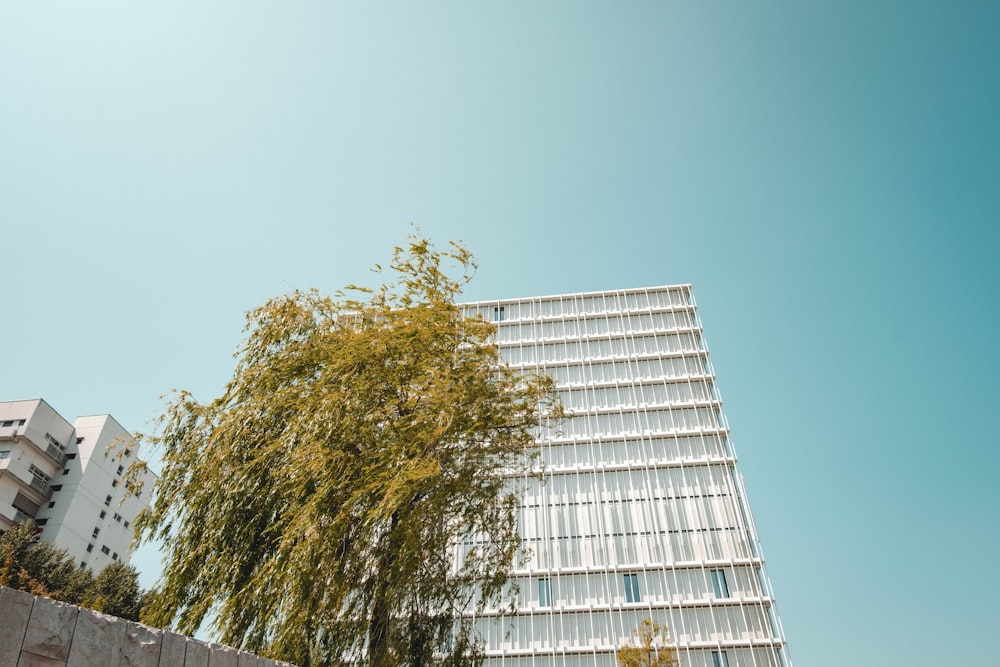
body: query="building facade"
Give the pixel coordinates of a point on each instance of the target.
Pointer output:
(69, 478)
(643, 512)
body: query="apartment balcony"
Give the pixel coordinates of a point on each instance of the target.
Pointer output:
(10, 434)
(56, 454)
(26, 480)
(41, 487)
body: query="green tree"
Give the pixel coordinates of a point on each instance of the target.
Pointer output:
(58, 571)
(314, 510)
(652, 648)
(14, 544)
(39, 567)
(115, 591)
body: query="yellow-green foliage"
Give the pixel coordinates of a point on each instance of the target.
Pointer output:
(313, 509)
(651, 649)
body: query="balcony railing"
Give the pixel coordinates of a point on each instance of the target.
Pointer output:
(56, 454)
(52, 451)
(42, 487)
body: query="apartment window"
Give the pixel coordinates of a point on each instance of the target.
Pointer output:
(52, 441)
(126, 524)
(632, 588)
(105, 550)
(24, 504)
(120, 468)
(107, 501)
(96, 532)
(83, 564)
(720, 659)
(498, 314)
(52, 504)
(114, 483)
(719, 583)
(544, 593)
(118, 517)
(65, 471)
(71, 456)
(4, 453)
(57, 487)
(104, 513)
(90, 547)
(79, 439)
(38, 473)
(41, 522)
(114, 556)
(128, 453)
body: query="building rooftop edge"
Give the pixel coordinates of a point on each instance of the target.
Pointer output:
(545, 297)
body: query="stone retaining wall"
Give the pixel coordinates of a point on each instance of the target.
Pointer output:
(39, 632)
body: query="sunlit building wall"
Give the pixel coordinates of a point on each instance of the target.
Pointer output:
(643, 513)
(69, 478)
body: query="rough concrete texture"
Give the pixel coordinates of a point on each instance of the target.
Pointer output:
(248, 660)
(197, 653)
(32, 660)
(98, 640)
(50, 629)
(15, 610)
(142, 646)
(173, 650)
(223, 656)
(38, 632)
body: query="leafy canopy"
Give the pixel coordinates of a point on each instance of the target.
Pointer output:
(652, 647)
(349, 495)
(41, 568)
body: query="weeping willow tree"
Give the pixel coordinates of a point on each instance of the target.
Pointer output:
(347, 498)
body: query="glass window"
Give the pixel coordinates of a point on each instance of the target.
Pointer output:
(544, 593)
(720, 659)
(719, 583)
(632, 588)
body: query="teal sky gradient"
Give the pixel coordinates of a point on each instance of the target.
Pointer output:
(826, 175)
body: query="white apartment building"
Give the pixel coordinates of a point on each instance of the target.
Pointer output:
(643, 513)
(69, 479)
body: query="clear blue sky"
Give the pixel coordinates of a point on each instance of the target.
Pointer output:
(826, 175)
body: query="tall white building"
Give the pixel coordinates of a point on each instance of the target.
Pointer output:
(643, 513)
(69, 479)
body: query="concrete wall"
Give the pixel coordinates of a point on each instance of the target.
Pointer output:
(38, 632)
